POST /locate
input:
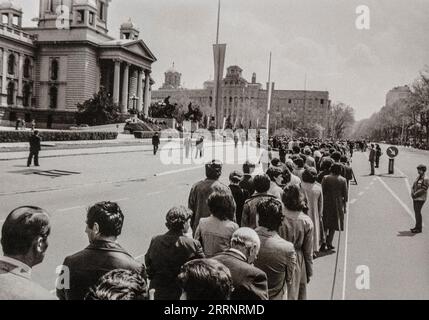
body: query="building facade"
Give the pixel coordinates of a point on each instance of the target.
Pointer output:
(47, 70)
(397, 94)
(245, 103)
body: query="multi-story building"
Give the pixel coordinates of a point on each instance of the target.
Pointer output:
(246, 103)
(397, 94)
(47, 70)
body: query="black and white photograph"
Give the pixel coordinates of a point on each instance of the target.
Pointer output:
(234, 152)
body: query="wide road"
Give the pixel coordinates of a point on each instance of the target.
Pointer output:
(376, 240)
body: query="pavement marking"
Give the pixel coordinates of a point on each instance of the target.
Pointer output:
(346, 247)
(177, 171)
(353, 201)
(407, 182)
(397, 198)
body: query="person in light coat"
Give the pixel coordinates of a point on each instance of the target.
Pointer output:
(314, 195)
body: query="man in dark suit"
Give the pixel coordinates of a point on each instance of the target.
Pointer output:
(155, 143)
(24, 238)
(35, 147)
(250, 283)
(104, 254)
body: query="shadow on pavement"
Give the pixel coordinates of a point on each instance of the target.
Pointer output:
(406, 234)
(324, 254)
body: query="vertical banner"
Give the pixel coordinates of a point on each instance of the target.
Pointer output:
(219, 64)
(224, 123)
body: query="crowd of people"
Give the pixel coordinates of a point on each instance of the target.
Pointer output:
(254, 239)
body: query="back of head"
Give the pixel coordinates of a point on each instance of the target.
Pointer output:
(214, 170)
(205, 279)
(222, 205)
(336, 169)
(23, 228)
(119, 285)
(245, 238)
(299, 162)
(336, 156)
(177, 217)
(261, 183)
(273, 173)
(270, 213)
(309, 175)
(293, 198)
(235, 176)
(296, 149)
(326, 164)
(344, 159)
(109, 217)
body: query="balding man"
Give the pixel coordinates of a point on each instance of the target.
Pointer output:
(250, 283)
(24, 238)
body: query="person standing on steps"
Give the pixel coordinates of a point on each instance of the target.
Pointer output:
(35, 147)
(419, 195)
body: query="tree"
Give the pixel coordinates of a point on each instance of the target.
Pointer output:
(341, 118)
(98, 110)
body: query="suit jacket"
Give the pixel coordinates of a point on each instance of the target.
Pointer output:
(198, 196)
(89, 265)
(250, 217)
(16, 284)
(250, 283)
(35, 142)
(166, 254)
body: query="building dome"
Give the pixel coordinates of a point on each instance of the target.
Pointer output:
(9, 4)
(91, 3)
(172, 70)
(128, 25)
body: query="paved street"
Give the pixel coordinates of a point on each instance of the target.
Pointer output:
(378, 221)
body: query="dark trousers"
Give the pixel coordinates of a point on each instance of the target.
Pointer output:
(372, 168)
(330, 233)
(35, 155)
(155, 149)
(418, 205)
(377, 162)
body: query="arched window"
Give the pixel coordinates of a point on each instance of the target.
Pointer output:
(27, 68)
(11, 93)
(26, 93)
(53, 97)
(11, 64)
(54, 69)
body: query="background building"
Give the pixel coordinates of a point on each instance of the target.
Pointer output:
(47, 70)
(397, 94)
(245, 103)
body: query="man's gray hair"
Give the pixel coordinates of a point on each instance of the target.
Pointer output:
(245, 237)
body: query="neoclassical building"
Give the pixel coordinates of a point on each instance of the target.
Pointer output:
(47, 70)
(245, 102)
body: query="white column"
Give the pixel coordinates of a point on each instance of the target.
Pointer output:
(3, 98)
(20, 73)
(146, 93)
(125, 84)
(140, 91)
(116, 82)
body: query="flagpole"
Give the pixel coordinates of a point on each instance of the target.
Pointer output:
(269, 96)
(218, 22)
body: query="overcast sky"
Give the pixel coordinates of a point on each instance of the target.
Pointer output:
(317, 37)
